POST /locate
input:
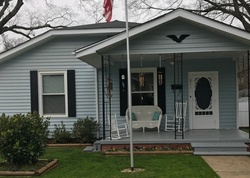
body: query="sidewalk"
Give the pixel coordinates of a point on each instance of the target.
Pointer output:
(229, 166)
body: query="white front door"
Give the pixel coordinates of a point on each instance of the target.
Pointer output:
(203, 100)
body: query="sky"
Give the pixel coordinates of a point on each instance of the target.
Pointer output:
(118, 8)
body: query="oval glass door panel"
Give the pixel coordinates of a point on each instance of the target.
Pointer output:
(203, 93)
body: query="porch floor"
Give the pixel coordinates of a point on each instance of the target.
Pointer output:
(151, 136)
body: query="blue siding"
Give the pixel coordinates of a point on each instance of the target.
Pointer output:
(54, 55)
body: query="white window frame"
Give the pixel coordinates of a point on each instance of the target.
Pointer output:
(149, 70)
(40, 92)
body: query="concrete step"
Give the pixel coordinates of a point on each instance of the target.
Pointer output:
(219, 144)
(222, 153)
(88, 149)
(97, 146)
(220, 148)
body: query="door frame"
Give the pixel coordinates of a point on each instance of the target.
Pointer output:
(216, 93)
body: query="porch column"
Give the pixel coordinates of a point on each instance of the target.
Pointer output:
(103, 101)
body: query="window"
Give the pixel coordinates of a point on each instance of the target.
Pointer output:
(53, 93)
(144, 86)
(152, 91)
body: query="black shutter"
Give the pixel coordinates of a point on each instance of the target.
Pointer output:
(71, 93)
(123, 91)
(34, 91)
(161, 89)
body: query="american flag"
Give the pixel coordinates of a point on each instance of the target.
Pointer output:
(108, 6)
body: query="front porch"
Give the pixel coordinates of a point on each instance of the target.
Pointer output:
(226, 138)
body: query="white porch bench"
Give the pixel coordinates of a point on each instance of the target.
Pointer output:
(145, 116)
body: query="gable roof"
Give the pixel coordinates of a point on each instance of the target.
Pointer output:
(113, 27)
(198, 20)
(104, 25)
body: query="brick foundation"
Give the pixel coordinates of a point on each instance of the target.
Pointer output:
(146, 147)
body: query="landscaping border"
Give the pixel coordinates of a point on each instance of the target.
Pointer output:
(39, 172)
(70, 145)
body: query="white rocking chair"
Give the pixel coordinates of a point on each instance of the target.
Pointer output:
(118, 131)
(172, 121)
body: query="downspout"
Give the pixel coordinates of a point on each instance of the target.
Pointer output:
(182, 122)
(248, 86)
(103, 101)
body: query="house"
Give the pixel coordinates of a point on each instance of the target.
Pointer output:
(205, 54)
(180, 55)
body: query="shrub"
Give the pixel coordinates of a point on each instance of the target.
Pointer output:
(84, 130)
(23, 138)
(61, 135)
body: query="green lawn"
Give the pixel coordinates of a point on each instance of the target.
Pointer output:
(245, 129)
(75, 164)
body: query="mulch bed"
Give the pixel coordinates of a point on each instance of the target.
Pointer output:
(147, 152)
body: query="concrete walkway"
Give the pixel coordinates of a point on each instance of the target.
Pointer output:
(229, 166)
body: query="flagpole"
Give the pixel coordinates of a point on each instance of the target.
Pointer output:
(129, 91)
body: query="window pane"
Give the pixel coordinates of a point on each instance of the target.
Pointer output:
(142, 82)
(53, 104)
(53, 84)
(142, 99)
(142, 85)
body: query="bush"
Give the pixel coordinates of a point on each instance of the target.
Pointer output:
(23, 138)
(84, 130)
(61, 135)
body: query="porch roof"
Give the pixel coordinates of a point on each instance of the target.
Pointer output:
(91, 54)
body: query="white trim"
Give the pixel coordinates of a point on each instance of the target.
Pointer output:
(216, 92)
(154, 71)
(40, 88)
(180, 13)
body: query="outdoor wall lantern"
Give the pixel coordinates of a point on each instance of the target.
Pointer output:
(160, 78)
(141, 80)
(109, 87)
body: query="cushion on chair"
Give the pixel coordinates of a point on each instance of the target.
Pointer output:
(156, 115)
(134, 117)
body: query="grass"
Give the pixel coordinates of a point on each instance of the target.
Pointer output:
(245, 129)
(73, 163)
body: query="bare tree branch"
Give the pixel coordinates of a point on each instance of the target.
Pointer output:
(228, 11)
(11, 14)
(93, 8)
(9, 43)
(16, 17)
(11, 21)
